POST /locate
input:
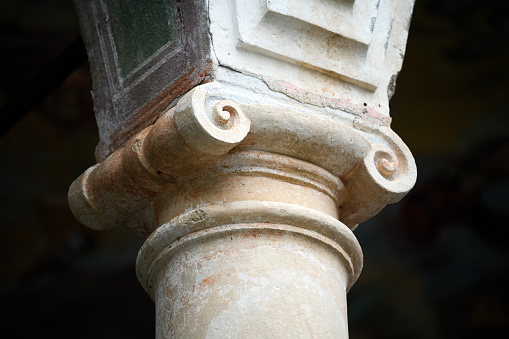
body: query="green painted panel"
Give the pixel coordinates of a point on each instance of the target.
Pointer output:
(140, 28)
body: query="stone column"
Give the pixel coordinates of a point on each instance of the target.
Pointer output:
(246, 143)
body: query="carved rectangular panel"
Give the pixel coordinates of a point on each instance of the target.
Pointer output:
(143, 55)
(140, 31)
(336, 37)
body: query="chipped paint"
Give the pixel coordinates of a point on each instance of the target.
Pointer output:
(320, 100)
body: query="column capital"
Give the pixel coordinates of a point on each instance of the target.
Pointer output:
(373, 165)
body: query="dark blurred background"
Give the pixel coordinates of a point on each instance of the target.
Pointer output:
(436, 264)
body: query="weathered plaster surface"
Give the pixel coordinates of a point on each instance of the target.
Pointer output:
(292, 42)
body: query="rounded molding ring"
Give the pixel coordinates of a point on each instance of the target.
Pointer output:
(243, 215)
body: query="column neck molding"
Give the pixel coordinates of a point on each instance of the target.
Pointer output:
(242, 216)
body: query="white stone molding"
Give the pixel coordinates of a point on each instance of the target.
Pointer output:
(336, 49)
